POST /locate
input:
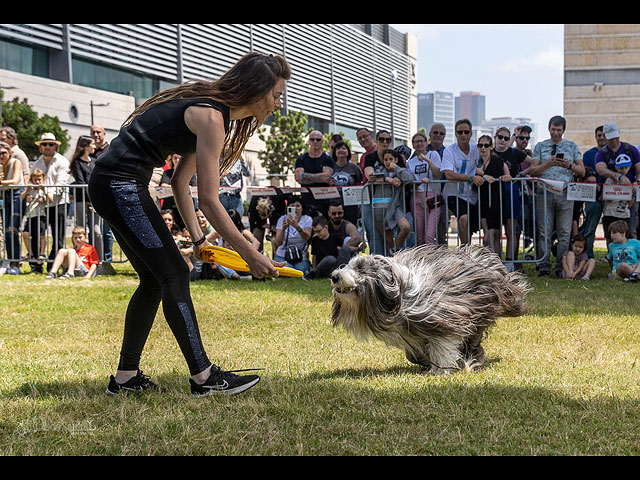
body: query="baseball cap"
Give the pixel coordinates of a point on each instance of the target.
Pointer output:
(623, 160)
(611, 130)
(525, 128)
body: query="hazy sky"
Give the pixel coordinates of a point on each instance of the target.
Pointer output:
(518, 68)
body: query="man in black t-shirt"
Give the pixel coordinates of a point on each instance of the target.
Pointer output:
(511, 197)
(314, 169)
(327, 252)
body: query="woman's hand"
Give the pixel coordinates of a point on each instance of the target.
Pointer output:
(197, 249)
(262, 266)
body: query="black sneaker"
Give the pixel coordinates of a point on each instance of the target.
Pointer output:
(138, 383)
(632, 278)
(226, 383)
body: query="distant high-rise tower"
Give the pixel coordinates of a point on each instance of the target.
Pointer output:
(470, 105)
(437, 107)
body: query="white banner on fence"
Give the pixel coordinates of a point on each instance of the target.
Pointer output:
(582, 192)
(353, 196)
(288, 190)
(322, 193)
(262, 191)
(553, 186)
(617, 192)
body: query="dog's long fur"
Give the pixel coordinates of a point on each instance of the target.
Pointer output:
(433, 303)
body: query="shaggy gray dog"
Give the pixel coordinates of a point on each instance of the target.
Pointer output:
(433, 303)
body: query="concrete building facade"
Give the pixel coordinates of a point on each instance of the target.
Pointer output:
(602, 80)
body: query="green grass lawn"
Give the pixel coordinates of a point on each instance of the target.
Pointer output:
(562, 380)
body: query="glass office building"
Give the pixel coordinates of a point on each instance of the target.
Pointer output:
(345, 76)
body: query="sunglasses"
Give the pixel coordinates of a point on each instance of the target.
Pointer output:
(437, 133)
(484, 145)
(502, 137)
(384, 139)
(4, 152)
(315, 139)
(48, 144)
(524, 138)
(463, 132)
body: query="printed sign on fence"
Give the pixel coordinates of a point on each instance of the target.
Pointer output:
(354, 196)
(288, 190)
(617, 192)
(553, 186)
(582, 192)
(321, 193)
(262, 191)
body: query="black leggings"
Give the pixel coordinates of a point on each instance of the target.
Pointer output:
(164, 276)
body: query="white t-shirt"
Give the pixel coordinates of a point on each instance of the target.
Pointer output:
(294, 238)
(420, 169)
(456, 160)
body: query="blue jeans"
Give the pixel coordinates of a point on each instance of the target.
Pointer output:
(232, 202)
(593, 212)
(553, 214)
(12, 218)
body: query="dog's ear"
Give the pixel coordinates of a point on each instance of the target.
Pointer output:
(386, 285)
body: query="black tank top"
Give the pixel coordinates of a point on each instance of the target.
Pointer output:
(158, 132)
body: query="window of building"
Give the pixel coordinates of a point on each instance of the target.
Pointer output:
(113, 79)
(23, 58)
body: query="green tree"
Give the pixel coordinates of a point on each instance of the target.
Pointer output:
(327, 136)
(284, 142)
(29, 127)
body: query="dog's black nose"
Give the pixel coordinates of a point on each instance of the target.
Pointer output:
(335, 278)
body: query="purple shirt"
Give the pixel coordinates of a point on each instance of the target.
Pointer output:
(611, 164)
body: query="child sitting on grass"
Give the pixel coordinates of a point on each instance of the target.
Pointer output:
(81, 260)
(576, 265)
(624, 253)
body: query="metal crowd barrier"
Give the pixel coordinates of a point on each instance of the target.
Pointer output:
(517, 241)
(30, 233)
(33, 227)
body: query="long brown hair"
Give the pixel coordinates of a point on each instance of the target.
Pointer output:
(251, 78)
(83, 143)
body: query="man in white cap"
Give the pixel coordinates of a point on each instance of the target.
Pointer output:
(56, 168)
(606, 165)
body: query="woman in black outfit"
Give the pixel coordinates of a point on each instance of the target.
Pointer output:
(208, 124)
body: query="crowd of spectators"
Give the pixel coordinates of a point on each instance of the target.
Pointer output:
(412, 195)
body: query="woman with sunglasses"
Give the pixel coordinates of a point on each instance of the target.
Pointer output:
(511, 198)
(493, 171)
(208, 124)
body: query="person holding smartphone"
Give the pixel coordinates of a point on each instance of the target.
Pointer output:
(293, 234)
(554, 159)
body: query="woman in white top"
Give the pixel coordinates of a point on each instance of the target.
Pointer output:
(294, 231)
(425, 166)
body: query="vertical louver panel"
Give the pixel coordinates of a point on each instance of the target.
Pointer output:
(210, 50)
(147, 48)
(268, 38)
(353, 77)
(308, 50)
(44, 34)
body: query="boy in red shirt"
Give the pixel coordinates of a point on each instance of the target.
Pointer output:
(81, 260)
